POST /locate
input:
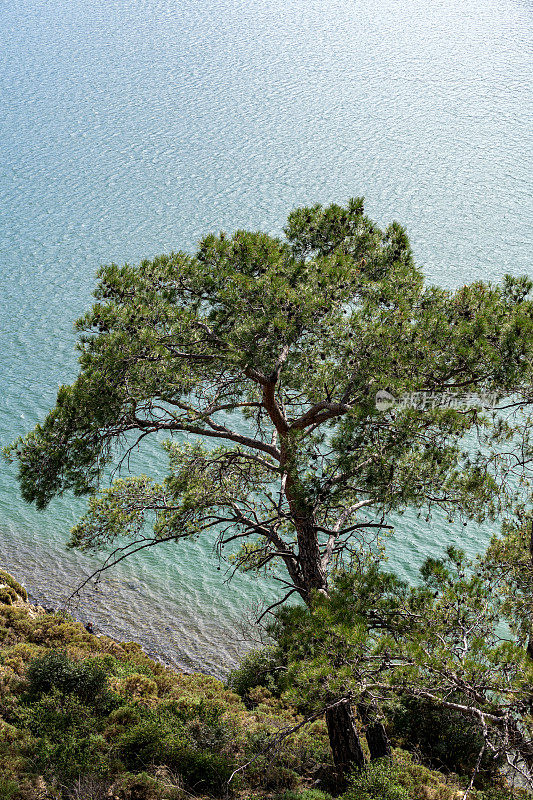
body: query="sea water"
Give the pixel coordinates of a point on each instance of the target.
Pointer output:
(132, 127)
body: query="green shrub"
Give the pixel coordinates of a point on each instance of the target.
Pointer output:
(8, 789)
(258, 668)
(67, 740)
(72, 756)
(307, 794)
(8, 580)
(146, 743)
(55, 670)
(378, 781)
(201, 770)
(445, 738)
(163, 738)
(124, 716)
(7, 595)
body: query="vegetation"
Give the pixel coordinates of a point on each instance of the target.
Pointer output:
(81, 715)
(464, 689)
(268, 354)
(429, 666)
(509, 565)
(10, 590)
(87, 718)
(265, 361)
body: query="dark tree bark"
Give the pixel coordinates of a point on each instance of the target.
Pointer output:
(375, 733)
(314, 577)
(344, 739)
(378, 741)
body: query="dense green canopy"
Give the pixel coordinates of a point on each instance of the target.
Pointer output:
(261, 357)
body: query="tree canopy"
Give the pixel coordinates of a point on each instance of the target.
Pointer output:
(261, 357)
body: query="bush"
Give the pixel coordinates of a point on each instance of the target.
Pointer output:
(258, 668)
(401, 777)
(55, 670)
(67, 741)
(8, 789)
(378, 781)
(8, 595)
(161, 737)
(443, 737)
(8, 580)
(64, 709)
(307, 794)
(146, 743)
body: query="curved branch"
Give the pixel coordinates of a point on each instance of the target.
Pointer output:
(319, 413)
(336, 529)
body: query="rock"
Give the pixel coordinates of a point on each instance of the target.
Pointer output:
(12, 593)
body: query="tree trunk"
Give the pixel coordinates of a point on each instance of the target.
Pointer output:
(344, 739)
(314, 577)
(375, 733)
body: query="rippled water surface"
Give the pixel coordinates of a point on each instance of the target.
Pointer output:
(131, 128)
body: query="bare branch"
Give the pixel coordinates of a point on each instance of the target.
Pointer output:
(283, 733)
(336, 528)
(112, 562)
(219, 432)
(275, 605)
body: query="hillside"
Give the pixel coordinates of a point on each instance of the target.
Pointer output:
(85, 718)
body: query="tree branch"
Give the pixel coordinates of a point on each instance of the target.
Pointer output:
(336, 528)
(319, 413)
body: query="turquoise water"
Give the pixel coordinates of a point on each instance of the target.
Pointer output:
(131, 128)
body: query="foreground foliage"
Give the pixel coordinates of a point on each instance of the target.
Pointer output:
(79, 713)
(432, 663)
(87, 718)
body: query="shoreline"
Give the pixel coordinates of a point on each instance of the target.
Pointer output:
(145, 679)
(36, 603)
(186, 629)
